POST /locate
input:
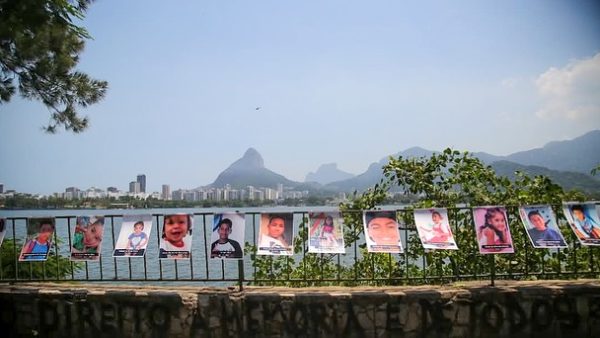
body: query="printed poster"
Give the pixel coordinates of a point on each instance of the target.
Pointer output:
(39, 239)
(176, 238)
(275, 236)
(87, 238)
(584, 221)
(228, 236)
(134, 236)
(434, 229)
(3, 225)
(326, 233)
(493, 233)
(541, 227)
(381, 232)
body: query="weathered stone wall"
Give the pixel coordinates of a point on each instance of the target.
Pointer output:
(541, 309)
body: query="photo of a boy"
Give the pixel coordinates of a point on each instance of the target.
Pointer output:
(584, 220)
(541, 227)
(87, 238)
(381, 232)
(225, 246)
(39, 239)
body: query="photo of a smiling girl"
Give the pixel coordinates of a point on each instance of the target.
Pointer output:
(87, 238)
(493, 233)
(434, 229)
(176, 238)
(326, 233)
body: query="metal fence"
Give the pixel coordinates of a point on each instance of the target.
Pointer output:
(355, 267)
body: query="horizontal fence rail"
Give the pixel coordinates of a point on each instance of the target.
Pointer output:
(356, 267)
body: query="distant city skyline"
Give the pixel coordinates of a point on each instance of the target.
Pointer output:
(215, 194)
(348, 82)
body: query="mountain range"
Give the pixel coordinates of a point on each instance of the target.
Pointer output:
(568, 163)
(580, 154)
(328, 173)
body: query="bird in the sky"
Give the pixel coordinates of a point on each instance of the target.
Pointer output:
(257, 108)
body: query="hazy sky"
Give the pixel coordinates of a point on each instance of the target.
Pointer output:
(338, 81)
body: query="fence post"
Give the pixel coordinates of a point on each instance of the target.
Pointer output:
(493, 274)
(241, 274)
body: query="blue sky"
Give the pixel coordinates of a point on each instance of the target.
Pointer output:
(338, 81)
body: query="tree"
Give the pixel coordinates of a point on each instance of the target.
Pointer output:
(39, 49)
(56, 267)
(452, 180)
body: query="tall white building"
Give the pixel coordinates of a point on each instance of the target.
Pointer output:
(190, 196)
(94, 192)
(134, 187)
(234, 194)
(270, 194)
(218, 194)
(178, 195)
(141, 179)
(226, 194)
(72, 193)
(251, 191)
(259, 195)
(166, 192)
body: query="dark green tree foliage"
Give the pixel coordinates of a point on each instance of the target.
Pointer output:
(452, 180)
(39, 49)
(54, 268)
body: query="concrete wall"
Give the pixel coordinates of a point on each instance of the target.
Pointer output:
(541, 309)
